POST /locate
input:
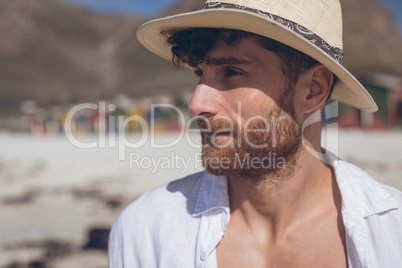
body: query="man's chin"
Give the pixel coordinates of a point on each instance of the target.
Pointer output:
(243, 165)
(246, 173)
(256, 167)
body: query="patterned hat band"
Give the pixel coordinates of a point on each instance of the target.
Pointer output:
(333, 52)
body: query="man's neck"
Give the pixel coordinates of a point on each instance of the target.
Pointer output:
(308, 192)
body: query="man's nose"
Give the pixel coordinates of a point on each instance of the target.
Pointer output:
(204, 101)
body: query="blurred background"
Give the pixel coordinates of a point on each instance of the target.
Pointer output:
(57, 201)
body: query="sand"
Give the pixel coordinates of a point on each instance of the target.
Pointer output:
(53, 193)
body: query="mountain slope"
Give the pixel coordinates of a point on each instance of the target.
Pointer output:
(58, 54)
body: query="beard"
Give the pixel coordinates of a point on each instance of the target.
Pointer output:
(264, 149)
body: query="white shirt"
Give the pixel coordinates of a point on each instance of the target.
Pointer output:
(180, 224)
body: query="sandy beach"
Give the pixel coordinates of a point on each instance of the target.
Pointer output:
(53, 193)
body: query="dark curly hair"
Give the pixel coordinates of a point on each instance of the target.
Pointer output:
(189, 46)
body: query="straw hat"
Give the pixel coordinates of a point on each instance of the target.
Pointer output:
(311, 26)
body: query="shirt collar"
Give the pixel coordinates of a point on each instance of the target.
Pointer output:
(362, 196)
(213, 194)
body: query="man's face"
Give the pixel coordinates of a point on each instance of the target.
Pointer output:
(245, 105)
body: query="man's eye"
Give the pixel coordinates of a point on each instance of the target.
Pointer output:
(231, 72)
(198, 73)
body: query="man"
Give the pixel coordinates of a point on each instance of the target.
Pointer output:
(270, 196)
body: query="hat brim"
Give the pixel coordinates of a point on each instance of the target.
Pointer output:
(348, 90)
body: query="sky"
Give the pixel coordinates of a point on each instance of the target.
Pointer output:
(151, 8)
(145, 7)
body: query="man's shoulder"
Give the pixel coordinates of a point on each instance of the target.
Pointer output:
(179, 194)
(174, 190)
(159, 223)
(373, 210)
(358, 177)
(357, 185)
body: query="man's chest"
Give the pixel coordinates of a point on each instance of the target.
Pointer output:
(319, 246)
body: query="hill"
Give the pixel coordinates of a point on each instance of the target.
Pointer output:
(57, 53)
(372, 42)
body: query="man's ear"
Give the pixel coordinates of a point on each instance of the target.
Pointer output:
(315, 95)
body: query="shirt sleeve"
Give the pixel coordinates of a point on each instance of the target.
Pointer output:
(130, 242)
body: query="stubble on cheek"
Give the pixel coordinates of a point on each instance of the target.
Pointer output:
(255, 155)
